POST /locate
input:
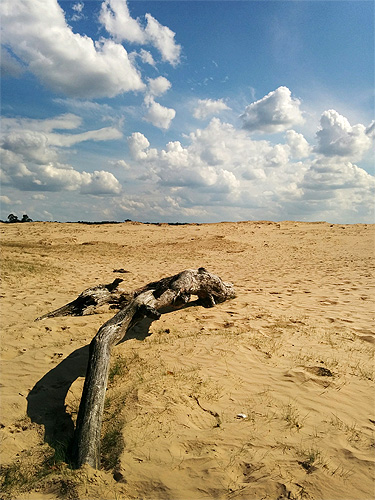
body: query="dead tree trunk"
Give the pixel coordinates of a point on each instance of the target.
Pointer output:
(150, 301)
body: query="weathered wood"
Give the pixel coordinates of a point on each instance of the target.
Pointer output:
(88, 300)
(149, 301)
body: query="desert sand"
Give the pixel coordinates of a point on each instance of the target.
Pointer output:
(266, 396)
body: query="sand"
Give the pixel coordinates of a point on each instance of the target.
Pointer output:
(267, 396)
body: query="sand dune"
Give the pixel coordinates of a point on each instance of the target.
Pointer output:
(269, 395)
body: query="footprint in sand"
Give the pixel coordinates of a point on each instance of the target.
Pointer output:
(316, 374)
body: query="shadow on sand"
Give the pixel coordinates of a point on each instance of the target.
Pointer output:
(46, 400)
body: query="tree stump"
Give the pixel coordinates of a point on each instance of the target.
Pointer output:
(149, 301)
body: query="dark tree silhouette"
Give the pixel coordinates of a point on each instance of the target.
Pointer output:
(12, 218)
(26, 218)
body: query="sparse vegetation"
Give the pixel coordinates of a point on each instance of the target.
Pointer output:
(292, 417)
(310, 459)
(118, 368)
(21, 267)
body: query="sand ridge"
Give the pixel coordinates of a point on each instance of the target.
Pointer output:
(292, 354)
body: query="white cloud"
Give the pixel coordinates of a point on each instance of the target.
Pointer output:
(163, 39)
(116, 19)
(55, 177)
(78, 11)
(66, 140)
(78, 7)
(66, 121)
(276, 112)
(138, 143)
(120, 164)
(37, 136)
(32, 146)
(223, 173)
(30, 156)
(208, 107)
(54, 53)
(146, 57)
(159, 115)
(299, 147)
(336, 137)
(331, 174)
(5, 200)
(158, 86)
(100, 182)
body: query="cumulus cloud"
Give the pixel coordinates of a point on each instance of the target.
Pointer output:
(163, 39)
(30, 151)
(158, 86)
(215, 161)
(159, 115)
(222, 172)
(299, 147)
(208, 107)
(32, 146)
(146, 57)
(5, 200)
(331, 174)
(276, 112)
(54, 53)
(138, 143)
(116, 18)
(99, 182)
(55, 177)
(120, 164)
(336, 137)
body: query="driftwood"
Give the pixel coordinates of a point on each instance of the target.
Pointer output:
(150, 301)
(89, 299)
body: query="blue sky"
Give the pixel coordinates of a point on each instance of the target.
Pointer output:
(188, 111)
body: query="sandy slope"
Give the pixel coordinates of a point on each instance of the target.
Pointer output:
(293, 353)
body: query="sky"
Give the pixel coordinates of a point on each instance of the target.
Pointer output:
(187, 111)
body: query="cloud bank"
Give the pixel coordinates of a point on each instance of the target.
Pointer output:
(31, 150)
(222, 172)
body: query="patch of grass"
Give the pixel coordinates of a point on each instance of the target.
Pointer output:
(351, 431)
(112, 444)
(61, 454)
(118, 368)
(310, 458)
(16, 267)
(34, 468)
(292, 417)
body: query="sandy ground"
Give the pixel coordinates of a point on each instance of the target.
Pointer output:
(267, 396)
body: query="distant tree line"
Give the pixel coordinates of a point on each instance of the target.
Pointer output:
(13, 218)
